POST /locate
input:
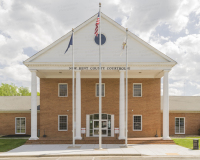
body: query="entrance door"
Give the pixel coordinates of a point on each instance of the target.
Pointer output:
(104, 128)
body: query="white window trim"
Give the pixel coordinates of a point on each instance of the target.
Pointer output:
(133, 123)
(96, 90)
(133, 89)
(179, 124)
(59, 89)
(59, 123)
(16, 125)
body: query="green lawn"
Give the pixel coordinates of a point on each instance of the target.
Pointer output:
(188, 143)
(8, 144)
(193, 137)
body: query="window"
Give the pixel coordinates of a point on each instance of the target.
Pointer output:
(62, 89)
(137, 90)
(180, 125)
(137, 123)
(62, 122)
(20, 125)
(102, 90)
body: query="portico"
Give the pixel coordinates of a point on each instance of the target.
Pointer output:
(146, 66)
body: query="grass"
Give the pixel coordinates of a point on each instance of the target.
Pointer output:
(188, 143)
(193, 137)
(8, 144)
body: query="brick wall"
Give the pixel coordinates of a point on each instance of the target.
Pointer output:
(148, 105)
(192, 123)
(7, 122)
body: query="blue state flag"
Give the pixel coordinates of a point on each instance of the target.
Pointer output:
(70, 43)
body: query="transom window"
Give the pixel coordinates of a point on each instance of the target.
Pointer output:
(102, 89)
(137, 123)
(180, 125)
(62, 122)
(137, 90)
(20, 125)
(62, 90)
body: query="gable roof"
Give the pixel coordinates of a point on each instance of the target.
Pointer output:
(168, 59)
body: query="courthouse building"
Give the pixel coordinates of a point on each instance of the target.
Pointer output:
(146, 67)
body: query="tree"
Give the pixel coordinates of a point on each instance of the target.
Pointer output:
(12, 90)
(24, 91)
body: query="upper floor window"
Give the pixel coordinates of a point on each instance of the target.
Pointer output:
(102, 89)
(137, 89)
(62, 90)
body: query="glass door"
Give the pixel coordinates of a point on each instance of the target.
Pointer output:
(104, 128)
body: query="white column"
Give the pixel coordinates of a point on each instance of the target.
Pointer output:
(165, 106)
(122, 107)
(33, 105)
(78, 105)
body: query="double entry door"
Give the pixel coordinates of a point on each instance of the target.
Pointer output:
(104, 128)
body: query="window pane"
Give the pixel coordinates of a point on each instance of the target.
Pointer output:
(104, 124)
(102, 90)
(137, 90)
(109, 132)
(63, 89)
(104, 132)
(20, 125)
(104, 116)
(62, 122)
(96, 116)
(97, 90)
(91, 124)
(137, 123)
(96, 132)
(91, 117)
(109, 124)
(96, 124)
(177, 125)
(181, 125)
(91, 132)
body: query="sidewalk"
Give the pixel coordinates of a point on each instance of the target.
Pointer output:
(108, 150)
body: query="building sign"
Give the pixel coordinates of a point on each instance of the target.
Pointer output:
(97, 68)
(82, 130)
(116, 130)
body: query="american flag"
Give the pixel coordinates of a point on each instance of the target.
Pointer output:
(97, 26)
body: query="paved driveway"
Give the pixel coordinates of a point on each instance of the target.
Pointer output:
(108, 149)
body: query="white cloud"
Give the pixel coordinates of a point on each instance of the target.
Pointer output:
(36, 24)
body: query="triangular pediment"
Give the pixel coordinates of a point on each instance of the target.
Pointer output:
(86, 50)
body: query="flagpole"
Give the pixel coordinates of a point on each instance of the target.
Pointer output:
(126, 89)
(100, 138)
(73, 84)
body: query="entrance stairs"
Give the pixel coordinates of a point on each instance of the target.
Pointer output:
(105, 140)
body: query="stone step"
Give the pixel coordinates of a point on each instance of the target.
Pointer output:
(51, 141)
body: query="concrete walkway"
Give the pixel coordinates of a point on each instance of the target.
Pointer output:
(108, 150)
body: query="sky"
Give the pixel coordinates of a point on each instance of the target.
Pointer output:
(172, 26)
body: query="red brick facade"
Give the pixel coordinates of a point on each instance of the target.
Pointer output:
(148, 106)
(7, 125)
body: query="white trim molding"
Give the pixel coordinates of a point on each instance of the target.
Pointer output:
(179, 125)
(102, 84)
(20, 125)
(140, 122)
(59, 89)
(133, 89)
(59, 123)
